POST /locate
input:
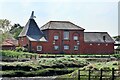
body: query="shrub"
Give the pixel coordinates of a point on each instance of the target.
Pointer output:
(106, 68)
(18, 49)
(115, 63)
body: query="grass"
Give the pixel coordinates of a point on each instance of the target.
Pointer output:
(52, 64)
(42, 67)
(92, 66)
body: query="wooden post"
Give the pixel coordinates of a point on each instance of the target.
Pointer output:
(89, 74)
(78, 74)
(112, 73)
(101, 74)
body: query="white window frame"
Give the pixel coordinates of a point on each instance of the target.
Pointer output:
(39, 47)
(56, 37)
(98, 44)
(106, 44)
(66, 47)
(75, 37)
(66, 35)
(56, 47)
(91, 44)
(75, 47)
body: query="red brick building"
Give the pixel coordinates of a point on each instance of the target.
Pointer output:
(64, 37)
(9, 44)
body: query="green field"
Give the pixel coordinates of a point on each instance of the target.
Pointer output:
(24, 64)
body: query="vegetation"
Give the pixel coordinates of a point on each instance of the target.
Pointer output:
(5, 25)
(15, 30)
(58, 65)
(50, 64)
(117, 38)
(93, 67)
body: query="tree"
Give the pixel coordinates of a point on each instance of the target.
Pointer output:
(15, 30)
(5, 25)
(117, 38)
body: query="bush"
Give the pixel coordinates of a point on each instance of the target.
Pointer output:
(115, 63)
(116, 55)
(106, 68)
(18, 49)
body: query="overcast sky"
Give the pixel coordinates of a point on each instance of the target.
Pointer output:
(93, 15)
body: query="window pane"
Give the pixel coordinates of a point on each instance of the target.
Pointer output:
(66, 35)
(75, 37)
(55, 37)
(39, 48)
(66, 47)
(56, 47)
(75, 47)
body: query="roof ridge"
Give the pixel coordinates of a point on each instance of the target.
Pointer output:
(59, 21)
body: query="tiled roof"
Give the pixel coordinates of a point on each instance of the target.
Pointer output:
(9, 42)
(66, 25)
(97, 37)
(31, 29)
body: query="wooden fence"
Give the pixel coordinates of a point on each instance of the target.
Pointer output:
(99, 74)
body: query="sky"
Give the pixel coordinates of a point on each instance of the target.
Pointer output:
(92, 15)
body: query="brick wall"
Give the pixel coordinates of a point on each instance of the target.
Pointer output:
(48, 47)
(99, 48)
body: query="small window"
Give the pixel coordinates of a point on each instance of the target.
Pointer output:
(56, 47)
(75, 38)
(55, 37)
(106, 44)
(75, 47)
(66, 35)
(98, 44)
(90, 44)
(39, 48)
(66, 47)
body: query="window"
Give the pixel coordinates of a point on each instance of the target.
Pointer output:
(106, 44)
(55, 37)
(56, 47)
(90, 44)
(75, 47)
(66, 35)
(98, 44)
(66, 47)
(75, 38)
(39, 48)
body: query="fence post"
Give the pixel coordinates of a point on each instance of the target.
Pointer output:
(113, 74)
(78, 74)
(89, 74)
(101, 74)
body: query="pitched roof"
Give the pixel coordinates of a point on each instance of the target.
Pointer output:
(10, 42)
(31, 29)
(66, 25)
(97, 37)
